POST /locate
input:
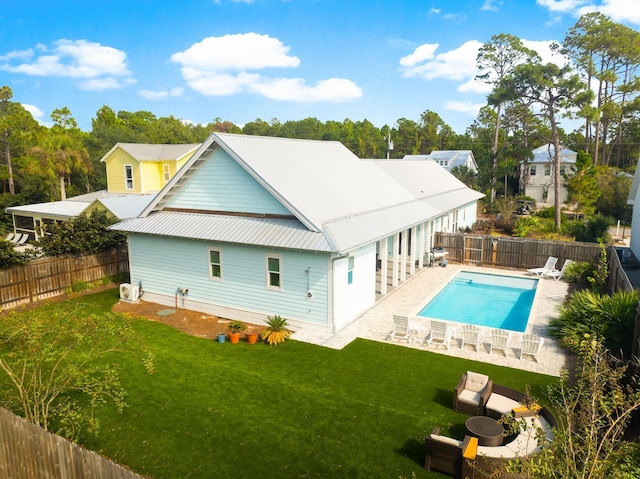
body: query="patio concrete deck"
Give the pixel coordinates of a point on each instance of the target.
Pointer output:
(407, 299)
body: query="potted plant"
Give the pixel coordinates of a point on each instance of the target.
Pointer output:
(235, 327)
(276, 331)
(252, 337)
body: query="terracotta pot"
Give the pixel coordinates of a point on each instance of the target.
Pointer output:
(252, 338)
(234, 338)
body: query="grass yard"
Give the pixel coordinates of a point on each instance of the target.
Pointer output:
(294, 410)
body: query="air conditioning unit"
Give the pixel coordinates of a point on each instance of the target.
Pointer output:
(129, 292)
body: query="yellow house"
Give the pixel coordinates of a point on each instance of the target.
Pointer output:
(138, 168)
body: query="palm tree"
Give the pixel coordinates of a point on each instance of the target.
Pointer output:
(60, 154)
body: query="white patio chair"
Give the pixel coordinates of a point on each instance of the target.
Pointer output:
(499, 340)
(10, 237)
(401, 329)
(441, 333)
(471, 335)
(558, 274)
(531, 345)
(549, 266)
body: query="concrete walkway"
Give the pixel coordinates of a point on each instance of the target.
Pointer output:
(408, 298)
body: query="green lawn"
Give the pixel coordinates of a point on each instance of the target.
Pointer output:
(289, 411)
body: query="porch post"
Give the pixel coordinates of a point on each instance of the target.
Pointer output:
(403, 255)
(394, 273)
(420, 252)
(384, 265)
(412, 256)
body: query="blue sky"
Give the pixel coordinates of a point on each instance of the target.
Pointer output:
(239, 60)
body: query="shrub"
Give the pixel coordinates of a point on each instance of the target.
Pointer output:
(81, 235)
(608, 318)
(276, 331)
(9, 256)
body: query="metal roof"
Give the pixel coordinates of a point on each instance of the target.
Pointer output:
(326, 187)
(227, 229)
(126, 206)
(452, 157)
(545, 153)
(154, 152)
(53, 210)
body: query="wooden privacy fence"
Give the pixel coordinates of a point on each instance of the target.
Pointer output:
(508, 252)
(48, 277)
(27, 451)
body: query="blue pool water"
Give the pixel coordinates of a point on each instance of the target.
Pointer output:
(488, 300)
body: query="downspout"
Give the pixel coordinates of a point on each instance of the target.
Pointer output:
(331, 308)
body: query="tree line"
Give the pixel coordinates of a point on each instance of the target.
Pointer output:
(523, 111)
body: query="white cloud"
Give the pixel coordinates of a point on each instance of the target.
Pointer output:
(543, 48)
(561, 5)
(617, 10)
(79, 59)
(248, 51)
(420, 54)
(36, 112)
(457, 64)
(227, 65)
(103, 84)
(333, 90)
(434, 10)
(466, 107)
(489, 5)
(475, 86)
(157, 95)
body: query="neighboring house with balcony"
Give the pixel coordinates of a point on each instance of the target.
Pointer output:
(449, 159)
(135, 173)
(536, 175)
(256, 226)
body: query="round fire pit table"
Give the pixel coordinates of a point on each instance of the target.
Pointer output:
(488, 431)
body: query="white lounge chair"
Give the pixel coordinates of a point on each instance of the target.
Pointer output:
(548, 267)
(22, 239)
(499, 340)
(10, 237)
(530, 345)
(559, 274)
(401, 329)
(471, 335)
(441, 333)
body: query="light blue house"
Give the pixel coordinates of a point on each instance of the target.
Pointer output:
(256, 226)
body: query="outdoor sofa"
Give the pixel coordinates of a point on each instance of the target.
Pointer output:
(465, 458)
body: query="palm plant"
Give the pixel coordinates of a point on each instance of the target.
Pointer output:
(276, 331)
(608, 318)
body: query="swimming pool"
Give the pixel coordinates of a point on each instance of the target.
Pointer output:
(489, 300)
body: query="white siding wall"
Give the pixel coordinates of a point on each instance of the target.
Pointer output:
(467, 215)
(350, 300)
(235, 190)
(166, 264)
